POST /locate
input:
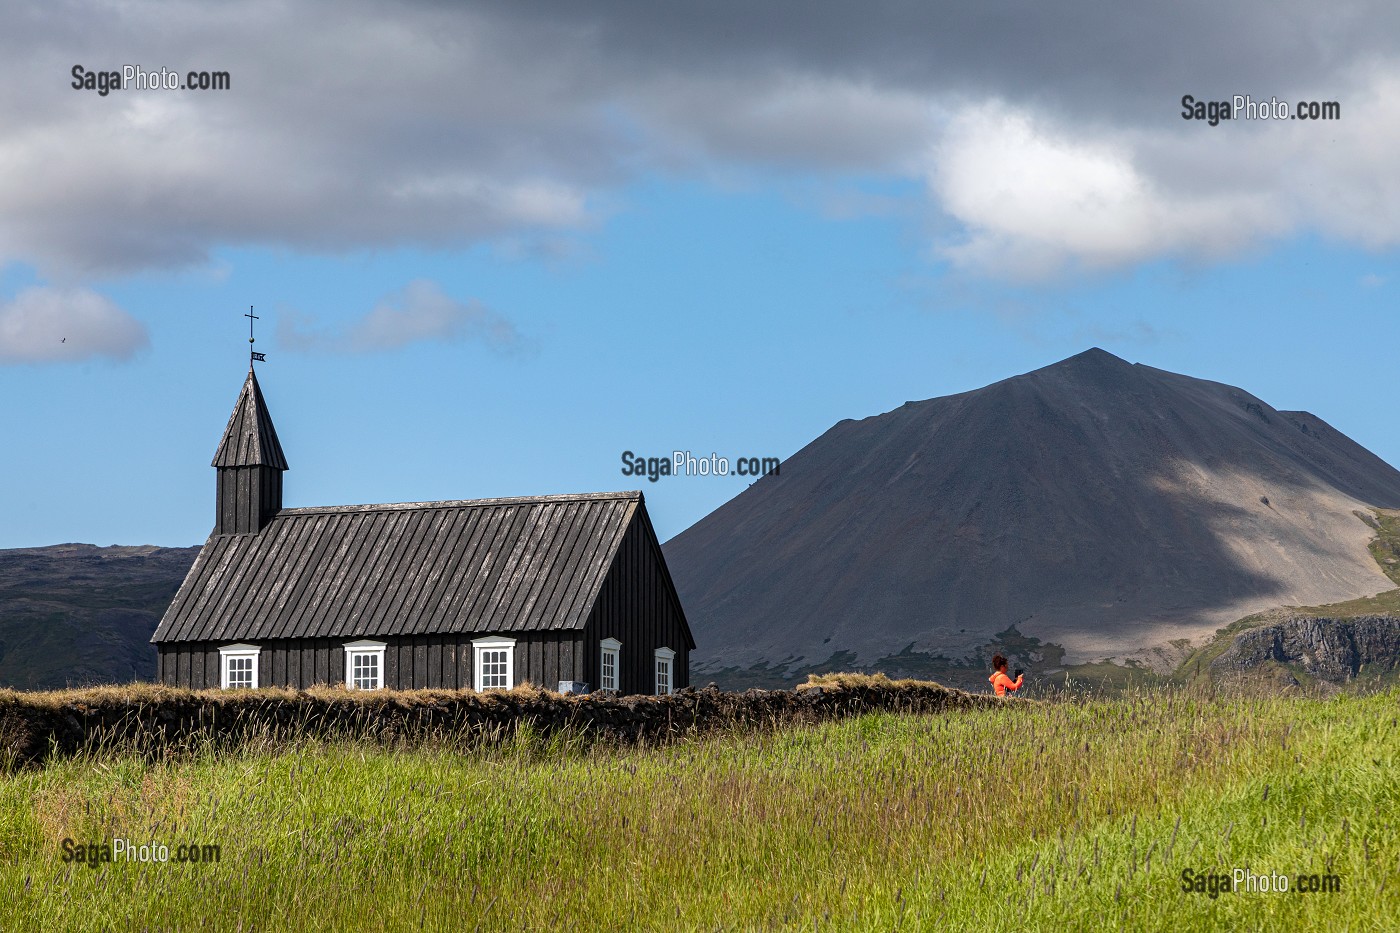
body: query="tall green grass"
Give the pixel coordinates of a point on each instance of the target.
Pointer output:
(1063, 815)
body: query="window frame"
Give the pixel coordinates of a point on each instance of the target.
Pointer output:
(365, 648)
(493, 643)
(668, 657)
(609, 647)
(240, 652)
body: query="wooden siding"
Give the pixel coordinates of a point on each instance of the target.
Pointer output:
(250, 463)
(435, 662)
(248, 498)
(639, 607)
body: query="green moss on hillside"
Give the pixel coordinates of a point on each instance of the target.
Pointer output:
(1385, 547)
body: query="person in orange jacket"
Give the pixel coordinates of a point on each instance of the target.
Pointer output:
(1000, 682)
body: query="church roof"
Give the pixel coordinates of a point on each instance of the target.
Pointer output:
(250, 439)
(416, 568)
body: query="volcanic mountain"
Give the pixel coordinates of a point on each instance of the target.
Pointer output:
(1104, 507)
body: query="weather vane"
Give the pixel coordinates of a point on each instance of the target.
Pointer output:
(256, 357)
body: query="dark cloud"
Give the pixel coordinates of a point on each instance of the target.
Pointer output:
(1097, 57)
(365, 125)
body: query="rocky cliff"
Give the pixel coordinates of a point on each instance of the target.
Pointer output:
(1334, 651)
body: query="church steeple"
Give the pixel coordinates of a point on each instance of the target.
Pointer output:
(250, 464)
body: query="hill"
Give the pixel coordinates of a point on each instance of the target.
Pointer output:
(1093, 509)
(75, 614)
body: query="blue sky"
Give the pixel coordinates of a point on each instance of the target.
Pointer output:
(480, 274)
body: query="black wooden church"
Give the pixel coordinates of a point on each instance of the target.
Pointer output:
(478, 593)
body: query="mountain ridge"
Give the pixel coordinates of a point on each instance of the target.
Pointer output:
(79, 614)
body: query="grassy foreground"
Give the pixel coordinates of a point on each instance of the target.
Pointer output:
(1056, 816)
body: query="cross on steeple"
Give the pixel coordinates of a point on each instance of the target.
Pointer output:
(259, 357)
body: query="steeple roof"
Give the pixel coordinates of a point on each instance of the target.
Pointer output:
(250, 439)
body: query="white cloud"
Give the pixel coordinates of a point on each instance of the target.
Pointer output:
(420, 312)
(1034, 200)
(64, 325)
(1343, 172)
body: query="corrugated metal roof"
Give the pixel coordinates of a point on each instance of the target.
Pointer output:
(481, 565)
(250, 439)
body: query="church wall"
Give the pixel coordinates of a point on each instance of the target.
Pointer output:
(436, 662)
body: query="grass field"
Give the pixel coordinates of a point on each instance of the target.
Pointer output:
(1059, 815)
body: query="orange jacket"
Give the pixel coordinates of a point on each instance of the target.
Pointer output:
(1001, 683)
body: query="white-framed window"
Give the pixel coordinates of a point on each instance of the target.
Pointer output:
(493, 663)
(364, 665)
(664, 666)
(238, 667)
(609, 659)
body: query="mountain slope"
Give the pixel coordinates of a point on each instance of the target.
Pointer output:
(75, 614)
(1102, 506)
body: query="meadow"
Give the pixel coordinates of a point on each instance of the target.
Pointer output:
(1074, 813)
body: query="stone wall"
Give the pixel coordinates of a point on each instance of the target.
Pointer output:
(157, 720)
